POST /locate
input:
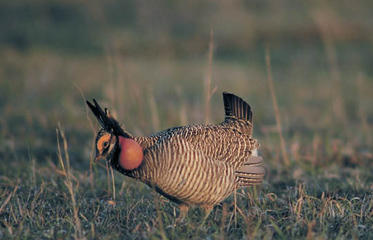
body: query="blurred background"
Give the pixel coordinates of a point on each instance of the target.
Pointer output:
(148, 61)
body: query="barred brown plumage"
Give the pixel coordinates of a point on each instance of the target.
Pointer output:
(191, 165)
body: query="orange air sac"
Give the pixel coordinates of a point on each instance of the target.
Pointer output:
(131, 153)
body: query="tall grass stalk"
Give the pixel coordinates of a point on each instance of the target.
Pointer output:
(6, 201)
(108, 176)
(64, 161)
(159, 217)
(91, 155)
(363, 117)
(322, 20)
(154, 112)
(112, 182)
(183, 108)
(208, 92)
(276, 109)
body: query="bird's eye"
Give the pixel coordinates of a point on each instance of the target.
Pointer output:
(106, 144)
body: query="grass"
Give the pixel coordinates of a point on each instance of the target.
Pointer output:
(319, 81)
(327, 204)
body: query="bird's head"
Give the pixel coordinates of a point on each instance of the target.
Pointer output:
(106, 145)
(113, 144)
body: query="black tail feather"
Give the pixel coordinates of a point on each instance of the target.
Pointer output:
(237, 108)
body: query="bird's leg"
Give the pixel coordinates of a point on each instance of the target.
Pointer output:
(183, 212)
(208, 209)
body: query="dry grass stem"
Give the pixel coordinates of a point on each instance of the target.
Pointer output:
(154, 112)
(159, 218)
(91, 158)
(363, 117)
(65, 165)
(112, 182)
(6, 201)
(323, 19)
(208, 92)
(108, 176)
(275, 106)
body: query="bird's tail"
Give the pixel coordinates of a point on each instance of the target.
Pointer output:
(251, 173)
(236, 108)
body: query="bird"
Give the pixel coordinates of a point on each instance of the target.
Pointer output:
(194, 165)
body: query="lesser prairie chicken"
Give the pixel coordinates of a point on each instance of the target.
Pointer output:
(190, 165)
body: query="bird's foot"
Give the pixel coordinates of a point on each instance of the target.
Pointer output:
(183, 213)
(208, 210)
